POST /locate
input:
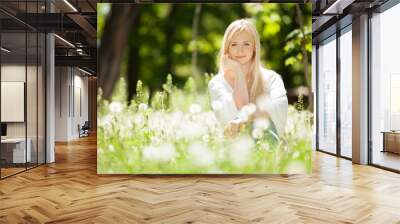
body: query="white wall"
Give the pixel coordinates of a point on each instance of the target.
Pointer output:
(9, 73)
(33, 126)
(12, 73)
(62, 81)
(71, 94)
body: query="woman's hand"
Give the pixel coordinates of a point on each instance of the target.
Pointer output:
(231, 66)
(231, 70)
(233, 74)
(233, 128)
(260, 114)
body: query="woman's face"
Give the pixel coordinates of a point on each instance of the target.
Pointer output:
(241, 47)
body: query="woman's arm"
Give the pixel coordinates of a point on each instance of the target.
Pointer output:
(222, 102)
(275, 104)
(240, 94)
(233, 74)
(224, 107)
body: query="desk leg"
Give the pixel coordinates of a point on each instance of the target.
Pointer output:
(384, 143)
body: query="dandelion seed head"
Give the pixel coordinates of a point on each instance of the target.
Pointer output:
(205, 138)
(111, 148)
(105, 120)
(201, 154)
(142, 107)
(295, 155)
(139, 120)
(162, 153)
(155, 140)
(115, 107)
(241, 150)
(195, 108)
(190, 129)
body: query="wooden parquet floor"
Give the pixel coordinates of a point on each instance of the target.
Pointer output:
(70, 191)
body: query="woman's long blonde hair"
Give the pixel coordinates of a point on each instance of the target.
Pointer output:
(237, 26)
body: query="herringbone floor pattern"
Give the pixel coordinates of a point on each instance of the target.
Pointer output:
(70, 191)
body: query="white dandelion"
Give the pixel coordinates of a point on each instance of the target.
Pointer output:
(116, 107)
(139, 120)
(241, 150)
(142, 107)
(162, 153)
(201, 155)
(195, 108)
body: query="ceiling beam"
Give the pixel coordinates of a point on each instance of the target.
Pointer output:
(84, 24)
(337, 7)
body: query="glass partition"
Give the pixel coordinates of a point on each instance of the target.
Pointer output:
(14, 151)
(327, 95)
(22, 88)
(346, 92)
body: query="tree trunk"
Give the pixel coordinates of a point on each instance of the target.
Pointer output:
(113, 43)
(195, 26)
(169, 30)
(134, 60)
(300, 20)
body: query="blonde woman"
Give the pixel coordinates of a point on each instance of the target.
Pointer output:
(243, 90)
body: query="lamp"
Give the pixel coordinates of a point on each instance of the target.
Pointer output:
(64, 40)
(70, 5)
(337, 7)
(84, 71)
(5, 50)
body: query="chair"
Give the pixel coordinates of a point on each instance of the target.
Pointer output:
(84, 130)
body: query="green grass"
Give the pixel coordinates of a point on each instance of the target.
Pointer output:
(178, 134)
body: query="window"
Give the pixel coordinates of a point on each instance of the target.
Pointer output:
(385, 88)
(327, 95)
(346, 92)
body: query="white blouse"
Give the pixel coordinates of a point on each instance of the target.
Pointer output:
(276, 101)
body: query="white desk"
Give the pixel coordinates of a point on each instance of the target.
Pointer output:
(19, 149)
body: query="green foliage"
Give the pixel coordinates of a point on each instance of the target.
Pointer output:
(159, 101)
(190, 86)
(281, 30)
(168, 86)
(120, 93)
(142, 93)
(102, 12)
(163, 36)
(298, 41)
